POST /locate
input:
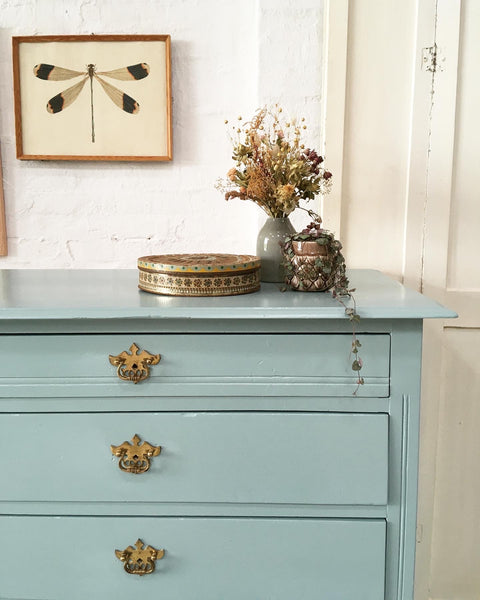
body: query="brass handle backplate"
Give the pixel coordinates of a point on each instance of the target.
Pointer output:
(134, 366)
(135, 457)
(139, 560)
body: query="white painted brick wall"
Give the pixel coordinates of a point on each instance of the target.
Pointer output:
(228, 58)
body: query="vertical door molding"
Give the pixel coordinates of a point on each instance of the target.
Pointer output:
(432, 139)
(419, 142)
(333, 107)
(441, 150)
(427, 223)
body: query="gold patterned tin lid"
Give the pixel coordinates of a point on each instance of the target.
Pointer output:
(199, 263)
(199, 274)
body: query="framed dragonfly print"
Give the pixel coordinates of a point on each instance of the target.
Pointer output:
(93, 97)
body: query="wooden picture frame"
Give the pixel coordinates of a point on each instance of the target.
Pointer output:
(3, 222)
(93, 97)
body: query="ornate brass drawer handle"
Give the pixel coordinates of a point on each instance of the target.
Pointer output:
(139, 560)
(134, 366)
(135, 457)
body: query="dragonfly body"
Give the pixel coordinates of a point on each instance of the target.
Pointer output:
(64, 99)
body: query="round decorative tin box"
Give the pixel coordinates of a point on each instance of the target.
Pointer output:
(199, 274)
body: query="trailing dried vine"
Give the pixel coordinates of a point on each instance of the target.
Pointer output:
(332, 265)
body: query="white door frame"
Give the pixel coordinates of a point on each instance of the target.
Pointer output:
(427, 204)
(334, 88)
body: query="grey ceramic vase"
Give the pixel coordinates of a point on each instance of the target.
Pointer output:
(269, 248)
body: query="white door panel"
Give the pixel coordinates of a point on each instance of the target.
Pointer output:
(408, 203)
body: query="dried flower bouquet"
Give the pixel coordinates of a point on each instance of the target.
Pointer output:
(272, 166)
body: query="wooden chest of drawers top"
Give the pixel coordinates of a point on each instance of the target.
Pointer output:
(105, 295)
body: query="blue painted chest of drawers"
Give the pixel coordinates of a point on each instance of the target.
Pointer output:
(266, 478)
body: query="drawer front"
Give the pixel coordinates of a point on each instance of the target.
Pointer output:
(238, 559)
(309, 458)
(200, 364)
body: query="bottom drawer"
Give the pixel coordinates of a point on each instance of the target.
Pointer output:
(60, 558)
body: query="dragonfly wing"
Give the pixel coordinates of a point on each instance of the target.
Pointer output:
(65, 98)
(122, 100)
(139, 71)
(53, 73)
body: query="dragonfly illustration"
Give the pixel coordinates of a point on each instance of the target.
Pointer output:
(68, 96)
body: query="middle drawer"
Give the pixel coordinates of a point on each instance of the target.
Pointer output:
(308, 458)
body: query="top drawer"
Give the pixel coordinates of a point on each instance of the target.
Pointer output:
(193, 364)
